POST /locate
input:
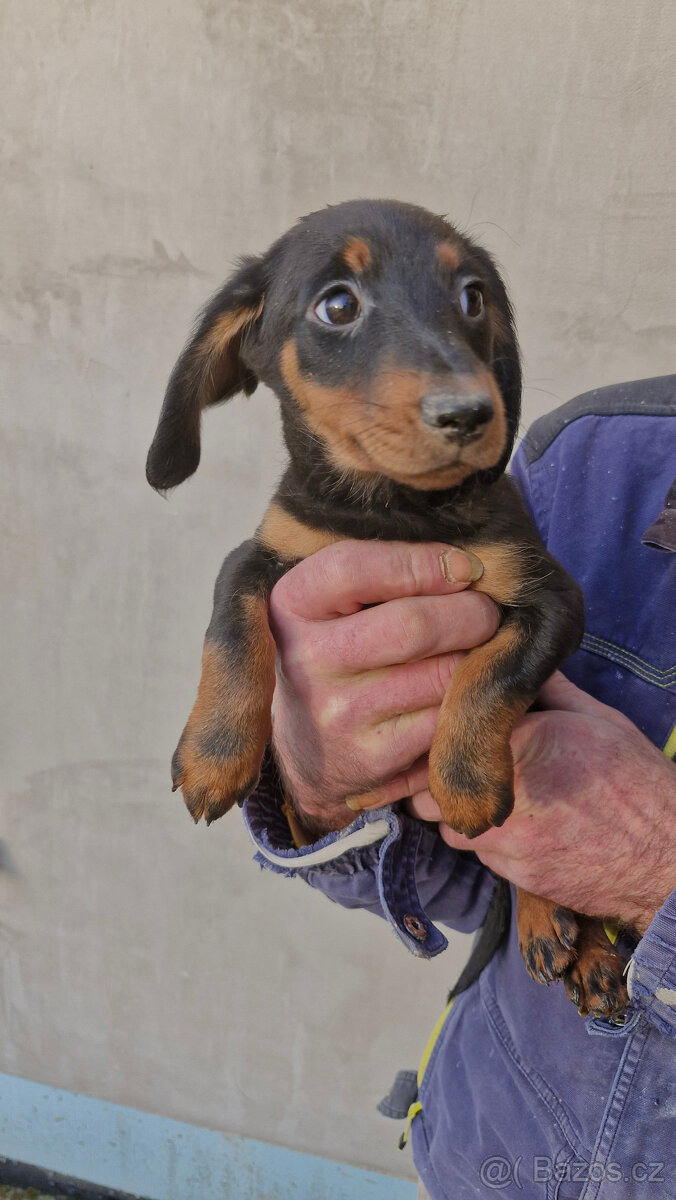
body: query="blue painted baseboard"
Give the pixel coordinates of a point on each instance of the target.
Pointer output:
(160, 1159)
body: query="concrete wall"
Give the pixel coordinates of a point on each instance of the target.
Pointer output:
(146, 146)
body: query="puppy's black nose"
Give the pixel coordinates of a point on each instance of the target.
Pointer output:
(459, 416)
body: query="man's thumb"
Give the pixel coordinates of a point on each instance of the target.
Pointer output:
(560, 693)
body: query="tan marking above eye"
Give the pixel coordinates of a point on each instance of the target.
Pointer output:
(449, 255)
(357, 255)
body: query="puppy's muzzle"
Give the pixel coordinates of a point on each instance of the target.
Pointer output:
(459, 417)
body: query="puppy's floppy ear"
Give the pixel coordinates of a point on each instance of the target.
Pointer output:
(506, 358)
(507, 361)
(210, 369)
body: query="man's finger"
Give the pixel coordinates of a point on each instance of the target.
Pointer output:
(490, 857)
(423, 805)
(342, 578)
(384, 695)
(405, 631)
(395, 789)
(395, 744)
(559, 693)
(361, 705)
(459, 842)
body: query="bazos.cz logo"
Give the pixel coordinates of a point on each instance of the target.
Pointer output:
(498, 1172)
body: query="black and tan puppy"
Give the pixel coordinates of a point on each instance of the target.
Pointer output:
(388, 338)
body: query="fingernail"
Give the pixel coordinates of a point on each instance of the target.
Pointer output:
(460, 566)
(353, 804)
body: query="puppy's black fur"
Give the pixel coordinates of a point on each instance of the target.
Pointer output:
(389, 339)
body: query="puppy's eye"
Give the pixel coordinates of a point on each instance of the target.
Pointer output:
(340, 306)
(472, 301)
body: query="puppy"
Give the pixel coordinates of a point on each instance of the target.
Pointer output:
(389, 340)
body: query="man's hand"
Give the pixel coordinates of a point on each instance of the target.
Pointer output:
(356, 705)
(593, 821)
(359, 687)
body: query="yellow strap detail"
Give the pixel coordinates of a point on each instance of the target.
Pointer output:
(670, 746)
(431, 1042)
(416, 1107)
(413, 1111)
(612, 929)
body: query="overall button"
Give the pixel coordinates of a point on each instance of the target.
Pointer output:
(415, 927)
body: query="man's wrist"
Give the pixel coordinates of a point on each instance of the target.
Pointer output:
(309, 819)
(657, 883)
(642, 921)
(648, 913)
(308, 827)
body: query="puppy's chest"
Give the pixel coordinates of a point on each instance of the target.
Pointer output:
(295, 537)
(291, 539)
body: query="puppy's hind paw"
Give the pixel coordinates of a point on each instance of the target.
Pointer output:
(595, 982)
(547, 937)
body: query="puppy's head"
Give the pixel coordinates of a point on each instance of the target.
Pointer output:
(386, 334)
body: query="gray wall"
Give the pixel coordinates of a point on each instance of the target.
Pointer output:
(146, 146)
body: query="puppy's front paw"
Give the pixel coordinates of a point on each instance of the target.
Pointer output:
(215, 770)
(595, 981)
(473, 795)
(547, 936)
